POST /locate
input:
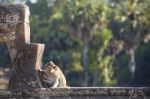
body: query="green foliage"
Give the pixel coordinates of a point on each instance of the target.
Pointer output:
(101, 61)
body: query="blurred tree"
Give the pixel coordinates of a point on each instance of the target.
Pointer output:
(84, 20)
(130, 25)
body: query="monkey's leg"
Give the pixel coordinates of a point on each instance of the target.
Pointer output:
(48, 81)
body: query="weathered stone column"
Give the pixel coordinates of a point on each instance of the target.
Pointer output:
(26, 63)
(25, 56)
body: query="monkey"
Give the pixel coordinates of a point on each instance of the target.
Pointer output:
(52, 76)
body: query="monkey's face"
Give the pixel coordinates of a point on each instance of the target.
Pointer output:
(50, 68)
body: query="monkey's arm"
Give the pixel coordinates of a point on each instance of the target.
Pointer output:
(55, 84)
(39, 77)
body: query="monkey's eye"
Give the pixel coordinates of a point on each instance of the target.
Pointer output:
(54, 67)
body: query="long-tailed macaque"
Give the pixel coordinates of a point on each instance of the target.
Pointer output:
(52, 76)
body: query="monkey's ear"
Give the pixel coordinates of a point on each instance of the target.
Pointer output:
(51, 63)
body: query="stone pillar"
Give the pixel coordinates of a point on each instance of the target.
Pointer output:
(26, 63)
(25, 56)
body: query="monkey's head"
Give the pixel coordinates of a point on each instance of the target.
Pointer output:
(50, 68)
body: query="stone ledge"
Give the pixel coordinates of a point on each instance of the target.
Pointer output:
(80, 93)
